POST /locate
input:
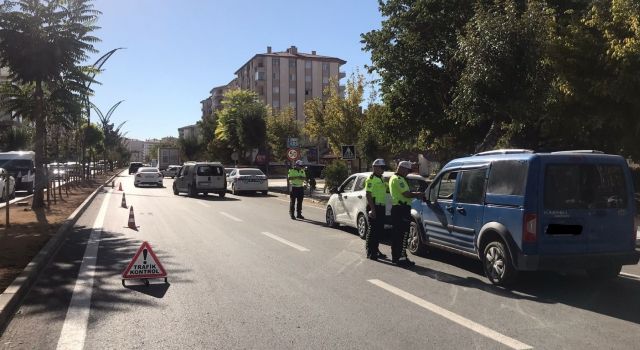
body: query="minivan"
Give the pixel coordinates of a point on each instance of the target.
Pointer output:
(201, 177)
(21, 165)
(517, 210)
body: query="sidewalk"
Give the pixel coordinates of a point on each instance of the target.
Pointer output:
(280, 186)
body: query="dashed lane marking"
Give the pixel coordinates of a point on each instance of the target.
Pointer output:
(284, 241)
(476, 327)
(74, 329)
(230, 216)
(204, 204)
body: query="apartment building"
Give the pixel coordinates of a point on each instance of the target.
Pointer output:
(207, 106)
(189, 131)
(136, 148)
(217, 93)
(289, 78)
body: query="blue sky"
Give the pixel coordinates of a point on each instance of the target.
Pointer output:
(176, 51)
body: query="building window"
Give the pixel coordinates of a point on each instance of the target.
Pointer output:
(325, 66)
(307, 78)
(261, 76)
(325, 80)
(276, 89)
(292, 63)
(275, 104)
(276, 75)
(307, 64)
(292, 91)
(292, 104)
(292, 77)
(307, 92)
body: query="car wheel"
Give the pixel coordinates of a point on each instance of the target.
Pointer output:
(497, 264)
(363, 226)
(173, 177)
(135, 185)
(604, 273)
(205, 193)
(330, 218)
(415, 245)
(175, 190)
(264, 193)
(222, 194)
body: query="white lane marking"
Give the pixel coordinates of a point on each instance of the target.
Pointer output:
(630, 275)
(203, 204)
(284, 241)
(476, 327)
(231, 217)
(304, 205)
(74, 329)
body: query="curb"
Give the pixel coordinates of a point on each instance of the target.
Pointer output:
(11, 298)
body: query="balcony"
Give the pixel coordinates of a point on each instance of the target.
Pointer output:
(342, 75)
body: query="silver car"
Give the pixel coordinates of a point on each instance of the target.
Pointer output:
(247, 180)
(348, 203)
(148, 176)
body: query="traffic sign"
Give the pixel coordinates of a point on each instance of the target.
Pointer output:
(293, 154)
(292, 142)
(348, 152)
(144, 265)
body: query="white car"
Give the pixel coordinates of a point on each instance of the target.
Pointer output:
(348, 203)
(148, 176)
(12, 185)
(171, 171)
(247, 180)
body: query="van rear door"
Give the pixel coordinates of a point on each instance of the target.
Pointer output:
(586, 207)
(210, 177)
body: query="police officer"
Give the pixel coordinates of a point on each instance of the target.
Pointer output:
(376, 200)
(296, 178)
(401, 212)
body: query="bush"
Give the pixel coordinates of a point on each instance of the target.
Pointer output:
(335, 173)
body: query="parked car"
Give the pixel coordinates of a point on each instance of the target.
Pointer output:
(148, 176)
(171, 171)
(3, 182)
(134, 166)
(516, 210)
(247, 180)
(348, 203)
(228, 171)
(201, 177)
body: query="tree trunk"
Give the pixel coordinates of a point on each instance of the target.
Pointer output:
(40, 181)
(491, 138)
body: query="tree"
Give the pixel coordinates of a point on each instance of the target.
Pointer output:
(190, 147)
(338, 119)
(280, 127)
(241, 122)
(112, 134)
(94, 138)
(39, 42)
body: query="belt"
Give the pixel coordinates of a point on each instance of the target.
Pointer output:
(404, 204)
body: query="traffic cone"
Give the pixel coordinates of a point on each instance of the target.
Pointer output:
(120, 187)
(132, 220)
(124, 201)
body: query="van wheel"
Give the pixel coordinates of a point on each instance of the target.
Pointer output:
(330, 218)
(175, 190)
(191, 191)
(497, 264)
(222, 194)
(604, 273)
(264, 193)
(415, 244)
(363, 226)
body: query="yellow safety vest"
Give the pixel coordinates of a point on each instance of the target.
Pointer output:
(397, 186)
(296, 173)
(378, 189)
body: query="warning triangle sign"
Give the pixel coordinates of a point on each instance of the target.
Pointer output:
(145, 264)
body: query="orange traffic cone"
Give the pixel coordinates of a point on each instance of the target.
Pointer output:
(132, 220)
(120, 187)
(124, 201)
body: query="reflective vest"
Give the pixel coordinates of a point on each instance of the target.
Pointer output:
(378, 189)
(296, 173)
(397, 186)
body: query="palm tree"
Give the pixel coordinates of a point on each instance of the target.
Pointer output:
(40, 41)
(112, 134)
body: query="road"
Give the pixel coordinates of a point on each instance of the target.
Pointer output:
(244, 275)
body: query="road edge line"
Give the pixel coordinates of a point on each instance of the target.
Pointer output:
(11, 298)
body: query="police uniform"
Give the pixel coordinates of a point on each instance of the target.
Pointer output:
(296, 179)
(377, 188)
(400, 215)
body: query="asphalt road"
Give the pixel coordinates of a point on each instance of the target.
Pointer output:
(244, 275)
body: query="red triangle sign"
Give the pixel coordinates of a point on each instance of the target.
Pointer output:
(145, 264)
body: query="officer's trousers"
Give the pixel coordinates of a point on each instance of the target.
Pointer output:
(376, 230)
(400, 218)
(295, 199)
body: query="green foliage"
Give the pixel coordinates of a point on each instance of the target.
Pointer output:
(335, 173)
(281, 126)
(241, 122)
(15, 139)
(190, 147)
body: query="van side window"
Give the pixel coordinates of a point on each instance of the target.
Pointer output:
(508, 177)
(472, 184)
(447, 185)
(186, 171)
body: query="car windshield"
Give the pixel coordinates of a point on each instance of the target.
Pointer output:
(148, 170)
(250, 172)
(16, 164)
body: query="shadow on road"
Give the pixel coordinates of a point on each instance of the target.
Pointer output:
(215, 198)
(154, 289)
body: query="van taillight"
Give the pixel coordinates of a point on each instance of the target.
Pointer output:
(530, 228)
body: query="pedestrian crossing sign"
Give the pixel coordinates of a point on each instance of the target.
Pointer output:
(348, 152)
(145, 264)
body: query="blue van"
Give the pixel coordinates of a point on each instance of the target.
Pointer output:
(517, 210)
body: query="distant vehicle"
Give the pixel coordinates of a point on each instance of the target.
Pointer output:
(57, 170)
(154, 163)
(516, 210)
(348, 203)
(21, 165)
(148, 176)
(201, 177)
(171, 171)
(247, 180)
(228, 171)
(134, 166)
(12, 186)
(168, 156)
